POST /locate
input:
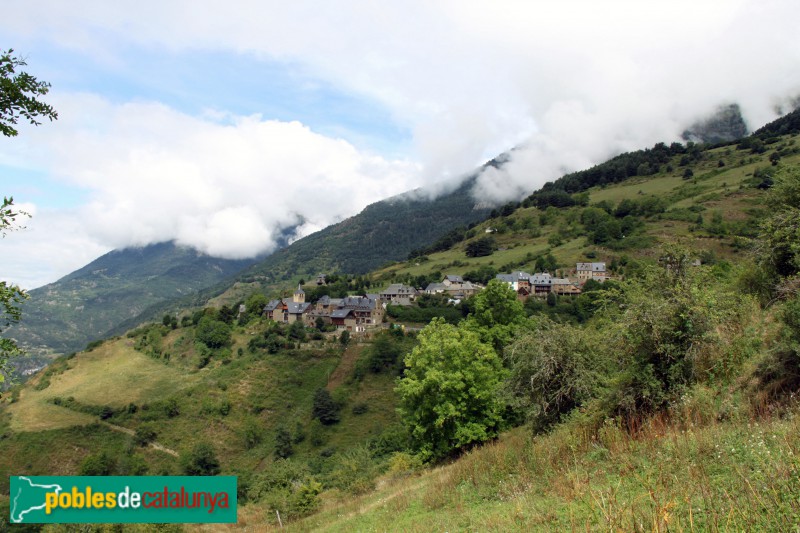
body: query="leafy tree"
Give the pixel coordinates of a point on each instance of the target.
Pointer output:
(201, 461)
(18, 95)
(344, 338)
(384, 352)
(483, 275)
(496, 313)
(283, 444)
(779, 250)
(448, 395)
(297, 331)
(546, 263)
(255, 304)
(324, 408)
(18, 99)
(481, 247)
(213, 333)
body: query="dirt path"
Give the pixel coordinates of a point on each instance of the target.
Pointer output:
(130, 432)
(345, 368)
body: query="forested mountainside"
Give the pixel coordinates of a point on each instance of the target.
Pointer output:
(83, 306)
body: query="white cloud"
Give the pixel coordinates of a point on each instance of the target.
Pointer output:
(573, 81)
(473, 78)
(51, 244)
(225, 188)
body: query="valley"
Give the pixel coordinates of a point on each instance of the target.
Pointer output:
(315, 425)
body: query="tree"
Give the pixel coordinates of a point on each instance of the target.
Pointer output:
(554, 368)
(283, 444)
(18, 92)
(481, 247)
(202, 461)
(779, 242)
(496, 314)
(449, 392)
(344, 338)
(324, 408)
(213, 333)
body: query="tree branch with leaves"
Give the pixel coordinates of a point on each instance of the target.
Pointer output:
(19, 92)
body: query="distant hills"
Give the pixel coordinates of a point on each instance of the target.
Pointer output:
(64, 316)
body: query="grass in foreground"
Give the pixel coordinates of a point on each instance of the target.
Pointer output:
(731, 476)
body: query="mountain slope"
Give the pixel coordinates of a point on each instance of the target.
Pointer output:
(382, 233)
(83, 306)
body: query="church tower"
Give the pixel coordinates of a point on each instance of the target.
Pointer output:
(299, 296)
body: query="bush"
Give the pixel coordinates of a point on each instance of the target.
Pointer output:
(144, 435)
(100, 464)
(779, 372)
(283, 444)
(201, 461)
(251, 434)
(325, 409)
(481, 247)
(360, 409)
(213, 333)
(288, 486)
(554, 368)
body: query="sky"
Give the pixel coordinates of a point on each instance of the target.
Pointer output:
(217, 125)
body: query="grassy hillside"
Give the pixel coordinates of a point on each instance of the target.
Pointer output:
(714, 211)
(141, 403)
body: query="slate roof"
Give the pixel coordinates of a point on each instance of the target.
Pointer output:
(454, 279)
(271, 305)
(594, 267)
(399, 289)
(541, 278)
(297, 308)
(358, 302)
(341, 313)
(514, 277)
(433, 287)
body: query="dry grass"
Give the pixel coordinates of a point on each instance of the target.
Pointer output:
(114, 374)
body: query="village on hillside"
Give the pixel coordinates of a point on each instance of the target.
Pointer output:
(360, 313)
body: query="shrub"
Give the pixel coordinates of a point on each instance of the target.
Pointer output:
(201, 461)
(324, 408)
(360, 408)
(144, 435)
(283, 444)
(554, 368)
(100, 464)
(213, 333)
